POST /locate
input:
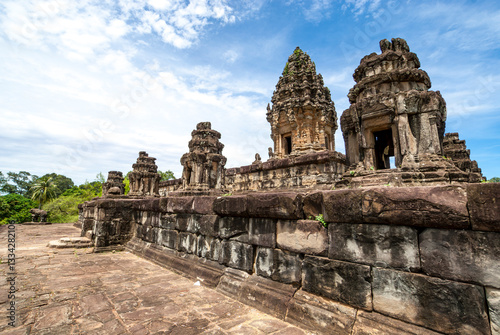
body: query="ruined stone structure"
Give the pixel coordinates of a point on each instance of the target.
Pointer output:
(204, 163)
(392, 111)
(393, 114)
(456, 150)
(302, 117)
(418, 259)
(144, 179)
(114, 184)
(38, 215)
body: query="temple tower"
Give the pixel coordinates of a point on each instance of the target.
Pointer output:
(144, 179)
(204, 163)
(302, 117)
(114, 185)
(392, 112)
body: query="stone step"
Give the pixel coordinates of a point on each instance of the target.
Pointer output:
(71, 242)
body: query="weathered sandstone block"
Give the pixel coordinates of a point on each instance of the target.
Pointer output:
(493, 297)
(237, 255)
(167, 221)
(231, 282)
(318, 314)
(235, 205)
(169, 238)
(209, 225)
(343, 206)
(302, 236)
(340, 281)
(188, 222)
(462, 255)
(379, 245)
(434, 207)
(232, 226)
(442, 305)
(187, 242)
(278, 265)
(180, 204)
(266, 295)
(262, 232)
(204, 246)
(275, 205)
(369, 323)
(484, 206)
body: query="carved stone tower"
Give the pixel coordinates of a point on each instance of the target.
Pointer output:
(302, 116)
(144, 179)
(204, 163)
(114, 185)
(392, 112)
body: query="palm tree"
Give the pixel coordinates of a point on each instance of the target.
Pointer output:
(43, 190)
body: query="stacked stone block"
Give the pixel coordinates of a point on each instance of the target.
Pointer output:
(420, 260)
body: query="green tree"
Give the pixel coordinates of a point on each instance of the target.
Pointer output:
(43, 191)
(17, 183)
(494, 180)
(167, 175)
(15, 207)
(61, 182)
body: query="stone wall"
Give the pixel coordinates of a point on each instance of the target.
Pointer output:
(322, 169)
(419, 260)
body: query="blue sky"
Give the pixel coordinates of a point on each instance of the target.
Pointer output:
(86, 85)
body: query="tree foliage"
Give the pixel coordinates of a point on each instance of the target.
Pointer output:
(43, 190)
(61, 182)
(15, 207)
(17, 183)
(494, 180)
(167, 175)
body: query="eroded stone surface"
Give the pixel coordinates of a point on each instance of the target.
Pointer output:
(319, 314)
(441, 305)
(440, 206)
(493, 297)
(462, 255)
(302, 236)
(380, 245)
(372, 323)
(77, 292)
(484, 206)
(278, 265)
(340, 281)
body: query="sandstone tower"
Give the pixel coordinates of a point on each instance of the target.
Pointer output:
(392, 112)
(114, 184)
(144, 179)
(302, 116)
(204, 163)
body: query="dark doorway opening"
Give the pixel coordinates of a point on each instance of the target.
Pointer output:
(288, 145)
(384, 149)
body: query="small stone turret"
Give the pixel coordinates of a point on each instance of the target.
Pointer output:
(456, 150)
(302, 117)
(144, 179)
(204, 163)
(114, 185)
(392, 111)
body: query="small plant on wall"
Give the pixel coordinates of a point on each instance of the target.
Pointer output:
(320, 219)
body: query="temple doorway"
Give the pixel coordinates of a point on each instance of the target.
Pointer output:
(384, 149)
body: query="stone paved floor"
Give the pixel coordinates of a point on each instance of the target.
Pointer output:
(73, 291)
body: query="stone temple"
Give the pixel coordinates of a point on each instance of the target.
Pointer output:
(399, 235)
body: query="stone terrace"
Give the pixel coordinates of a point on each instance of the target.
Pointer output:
(74, 291)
